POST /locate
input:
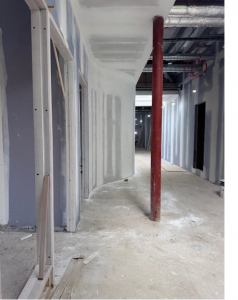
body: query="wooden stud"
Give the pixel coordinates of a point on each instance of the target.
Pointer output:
(0, 284)
(59, 71)
(42, 103)
(45, 195)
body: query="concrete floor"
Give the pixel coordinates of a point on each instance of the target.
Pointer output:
(180, 257)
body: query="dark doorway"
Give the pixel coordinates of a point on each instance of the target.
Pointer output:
(199, 132)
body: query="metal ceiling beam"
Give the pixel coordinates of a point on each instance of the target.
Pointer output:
(199, 2)
(195, 39)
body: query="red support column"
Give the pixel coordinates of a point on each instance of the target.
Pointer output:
(156, 122)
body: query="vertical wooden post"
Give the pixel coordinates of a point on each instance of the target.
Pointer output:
(0, 284)
(42, 105)
(45, 195)
(156, 122)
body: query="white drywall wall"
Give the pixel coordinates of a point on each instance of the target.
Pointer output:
(111, 125)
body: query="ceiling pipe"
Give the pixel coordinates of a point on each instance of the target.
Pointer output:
(197, 11)
(194, 22)
(185, 57)
(174, 69)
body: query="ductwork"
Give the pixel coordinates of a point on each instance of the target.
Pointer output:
(197, 11)
(174, 69)
(187, 57)
(194, 22)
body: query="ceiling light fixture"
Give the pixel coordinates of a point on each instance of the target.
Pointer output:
(148, 116)
(194, 91)
(141, 121)
(170, 63)
(135, 132)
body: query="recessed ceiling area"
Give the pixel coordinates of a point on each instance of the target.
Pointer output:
(119, 38)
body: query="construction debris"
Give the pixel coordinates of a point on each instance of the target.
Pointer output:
(92, 256)
(26, 237)
(79, 256)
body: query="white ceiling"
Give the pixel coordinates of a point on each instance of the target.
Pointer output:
(118, 33)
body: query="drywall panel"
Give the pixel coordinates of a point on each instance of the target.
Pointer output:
(111, 126)
(16, 35)
(178, 122)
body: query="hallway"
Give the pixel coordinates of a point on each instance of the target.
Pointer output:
(180, 257)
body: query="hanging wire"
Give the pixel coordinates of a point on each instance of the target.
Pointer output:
(195, 63)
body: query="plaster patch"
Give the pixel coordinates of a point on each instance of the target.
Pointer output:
(187, 221)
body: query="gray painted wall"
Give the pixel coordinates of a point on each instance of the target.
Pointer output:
(16, 27)
(15, 24)
(178, 122)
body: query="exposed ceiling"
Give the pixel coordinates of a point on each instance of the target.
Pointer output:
(183, 42)
(119, 32)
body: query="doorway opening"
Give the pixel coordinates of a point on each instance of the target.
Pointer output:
(199, 135)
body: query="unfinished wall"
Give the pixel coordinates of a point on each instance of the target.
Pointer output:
(109, 114)
(110, 107)
(178, 122)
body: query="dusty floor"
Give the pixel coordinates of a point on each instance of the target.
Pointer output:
(180, 257)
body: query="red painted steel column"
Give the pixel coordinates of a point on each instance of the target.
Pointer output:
(156, 122)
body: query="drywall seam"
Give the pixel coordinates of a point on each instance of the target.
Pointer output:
(4, 141)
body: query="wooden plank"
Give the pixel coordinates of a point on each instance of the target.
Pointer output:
(48, 132)
(73, 165)
(0, 284)
(43, 135)
(45, 195)
(41, 4)
(64, 280)
(38, 116)
(59, 40)
(32, 5)
(34, 287)
(59, 71)
(88, 259)
(36, 4)
(67, 294)
(39, 286)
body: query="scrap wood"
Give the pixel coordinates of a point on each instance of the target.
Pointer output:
(79, 256)
(26, 237)
(64, 281)
(92, 256)
(73, 280)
